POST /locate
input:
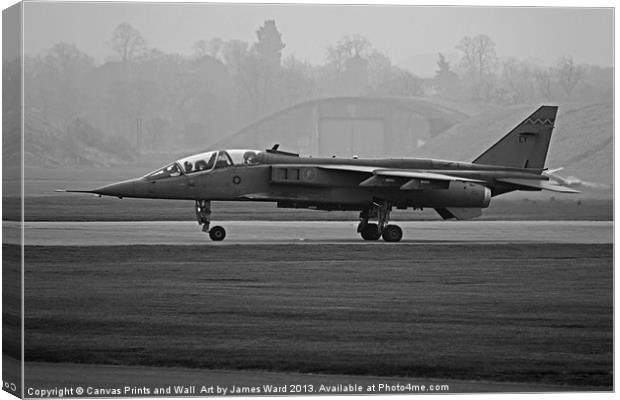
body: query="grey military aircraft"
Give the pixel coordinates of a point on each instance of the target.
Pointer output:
(372, 186)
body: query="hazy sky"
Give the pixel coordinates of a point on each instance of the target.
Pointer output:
(410, 36)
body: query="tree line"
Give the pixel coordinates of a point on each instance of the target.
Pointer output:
(141, 96)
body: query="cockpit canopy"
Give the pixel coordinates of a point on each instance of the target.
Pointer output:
(206, 162)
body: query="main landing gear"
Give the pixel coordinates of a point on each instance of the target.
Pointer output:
(371, 231)
(203, 216)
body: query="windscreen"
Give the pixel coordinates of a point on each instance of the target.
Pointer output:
(198, 162)
(217, 159)
(165, 172)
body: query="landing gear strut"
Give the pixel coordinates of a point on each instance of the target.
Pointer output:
(371, 231)
(203, 216)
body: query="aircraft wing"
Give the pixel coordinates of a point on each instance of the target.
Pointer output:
(402, 173)
(352, 168)
(414, 174)
(434, 176)
(419, 178)
(539, 184)
(364, 175)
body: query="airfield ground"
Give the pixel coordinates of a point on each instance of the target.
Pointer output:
(530, 313)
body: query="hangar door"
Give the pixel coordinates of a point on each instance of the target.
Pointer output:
(345, 137)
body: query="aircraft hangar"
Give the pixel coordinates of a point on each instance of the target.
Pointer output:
(348, 126)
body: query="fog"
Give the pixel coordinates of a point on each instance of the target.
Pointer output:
(411, 36)
(117, 84)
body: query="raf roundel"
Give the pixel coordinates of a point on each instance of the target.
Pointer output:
(236, 179)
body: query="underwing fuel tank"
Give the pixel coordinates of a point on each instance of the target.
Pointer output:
(457, 194)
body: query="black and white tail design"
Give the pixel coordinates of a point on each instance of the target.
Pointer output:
(526, 145)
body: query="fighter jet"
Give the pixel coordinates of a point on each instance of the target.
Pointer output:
(373, 187)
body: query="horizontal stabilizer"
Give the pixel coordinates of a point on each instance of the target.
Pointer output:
(460, 213)
(539, 184)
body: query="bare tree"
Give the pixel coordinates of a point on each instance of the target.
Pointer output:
(543, 82)
(379, 69)
(347, 47)
(519, 77)
(128, 42)
(210, 48)
(235, 51)
(67, 60)
(569, 74)
(242, 66)
(479, 62)
(400, 82)
(200, 48)
(297, 83)
(59, 77)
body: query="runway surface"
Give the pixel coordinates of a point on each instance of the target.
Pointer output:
(285, 232)
(540, 314)
(482, 302)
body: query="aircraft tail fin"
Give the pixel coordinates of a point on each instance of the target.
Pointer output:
(526, 145)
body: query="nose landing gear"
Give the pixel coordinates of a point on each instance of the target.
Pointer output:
(217, 233)
(372, 231)
(203, 216)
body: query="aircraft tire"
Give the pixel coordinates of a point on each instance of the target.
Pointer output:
(370, 232)
(217, 233)
(392, 233)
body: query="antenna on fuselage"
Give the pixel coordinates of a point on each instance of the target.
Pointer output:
(274, 150)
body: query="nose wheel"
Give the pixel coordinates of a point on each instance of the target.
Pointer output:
(203, 216)
(371, 231)
(217, 233)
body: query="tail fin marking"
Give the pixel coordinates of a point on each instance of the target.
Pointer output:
(526, 145)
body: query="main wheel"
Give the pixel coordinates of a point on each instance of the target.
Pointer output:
(370, 232)
(217, 233)
(392, 233)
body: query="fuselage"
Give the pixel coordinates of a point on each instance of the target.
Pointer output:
(456, 190)
(302, 182)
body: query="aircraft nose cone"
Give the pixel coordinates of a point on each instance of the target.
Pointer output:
(119, 189)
